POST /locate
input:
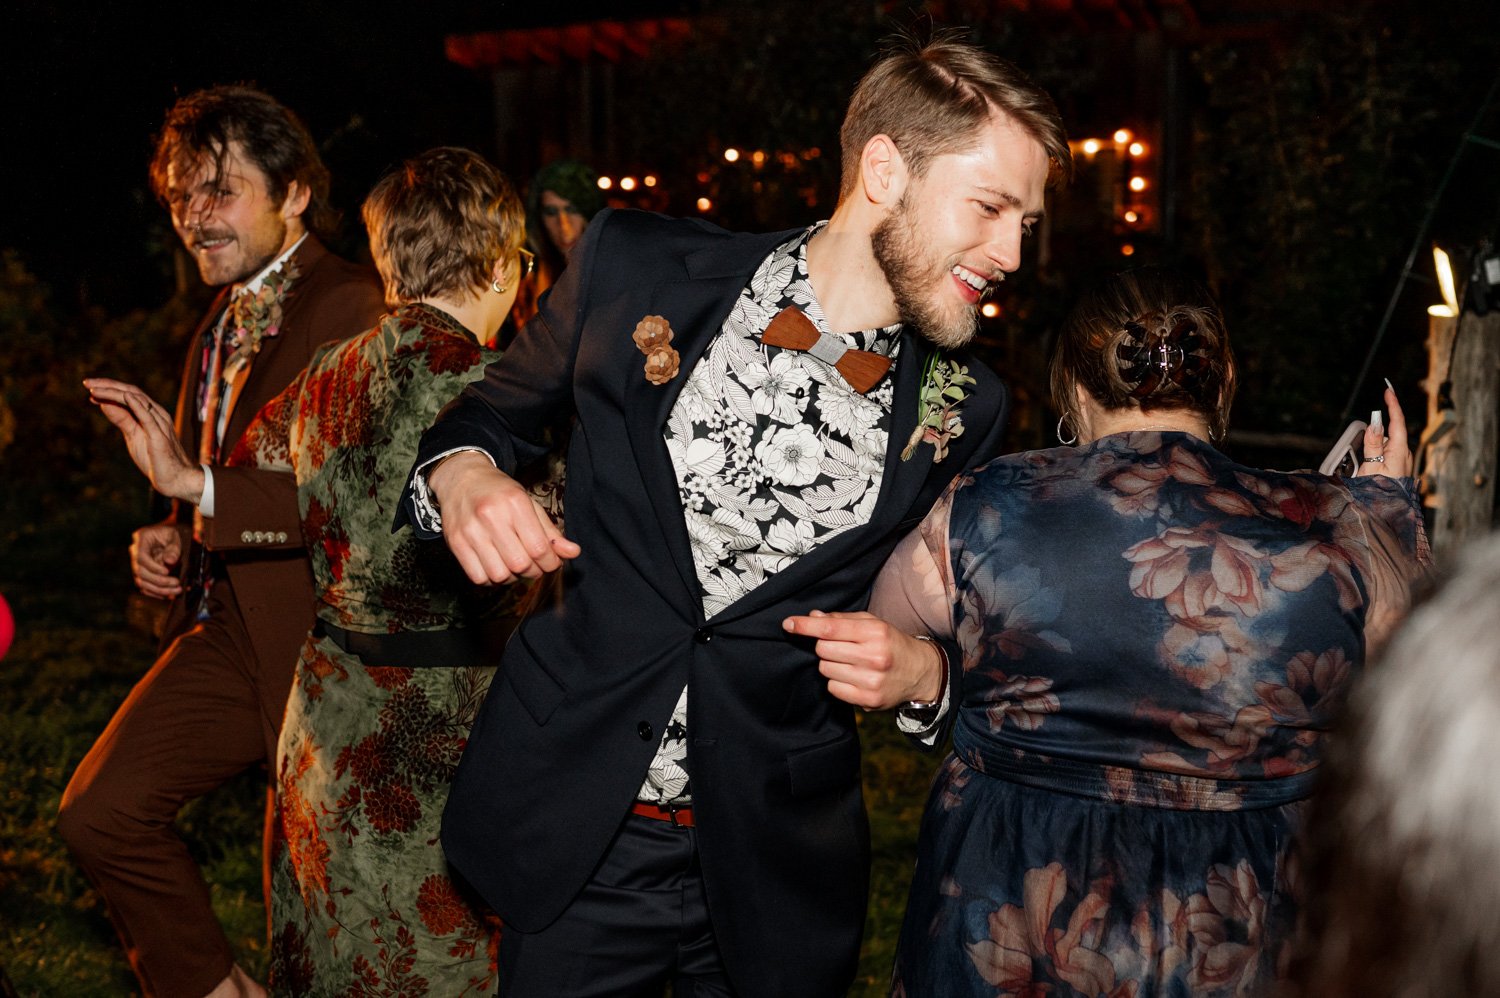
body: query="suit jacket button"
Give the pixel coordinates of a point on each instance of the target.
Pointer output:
(245, 537)
(260, 537)
(281, 537)
(703, 635)
(645, 730)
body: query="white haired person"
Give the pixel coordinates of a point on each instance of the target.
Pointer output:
(1404, 833)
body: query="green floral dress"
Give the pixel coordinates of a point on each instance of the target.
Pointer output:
(362, 903)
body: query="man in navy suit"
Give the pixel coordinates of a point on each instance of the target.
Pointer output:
(665, 784)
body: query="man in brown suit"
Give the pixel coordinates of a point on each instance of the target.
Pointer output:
(246, 190)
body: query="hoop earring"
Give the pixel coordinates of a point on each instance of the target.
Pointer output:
(1060, 420)
(496, 287)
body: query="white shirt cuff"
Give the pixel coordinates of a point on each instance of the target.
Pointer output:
(206, 501)
(424, 503)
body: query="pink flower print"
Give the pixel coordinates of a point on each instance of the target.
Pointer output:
(1172, 952)
(1017, 935)
(1137, 488)
(1227, 501)
(1162, 563)
(1296, 568)
(1023, 701)
(1226, 922)
(1315, 689)
(1169, 567)
(1017, 600)
(1004, 959)
(1202, 656)
(1185, 466)
(1295, 500)
(1226, 740)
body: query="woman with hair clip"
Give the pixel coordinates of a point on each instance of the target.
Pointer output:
(1153, 641)
(404, 647)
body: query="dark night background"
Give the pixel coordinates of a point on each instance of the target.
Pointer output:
(1294, 147)
(1307, 139)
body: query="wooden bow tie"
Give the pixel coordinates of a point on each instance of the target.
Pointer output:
(792, 330)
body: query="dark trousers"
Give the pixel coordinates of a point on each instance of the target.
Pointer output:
(192, 722)
(641, 921)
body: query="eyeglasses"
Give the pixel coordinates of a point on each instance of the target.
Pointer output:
(527, 259)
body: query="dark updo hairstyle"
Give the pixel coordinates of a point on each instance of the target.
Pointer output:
(1147, 339)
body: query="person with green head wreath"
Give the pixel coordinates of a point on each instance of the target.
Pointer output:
(563, 197)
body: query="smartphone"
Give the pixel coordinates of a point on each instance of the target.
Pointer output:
(1344, 458)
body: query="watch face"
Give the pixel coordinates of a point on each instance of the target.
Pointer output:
(922, 713)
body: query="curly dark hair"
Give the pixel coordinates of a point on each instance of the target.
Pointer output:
(204, 123)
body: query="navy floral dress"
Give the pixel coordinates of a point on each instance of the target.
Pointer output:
(1155, 642)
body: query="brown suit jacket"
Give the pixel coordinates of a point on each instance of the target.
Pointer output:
(256, 526)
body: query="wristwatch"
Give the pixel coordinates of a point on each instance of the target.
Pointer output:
(924, 712)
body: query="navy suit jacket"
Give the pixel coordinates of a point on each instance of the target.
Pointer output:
(585, 688)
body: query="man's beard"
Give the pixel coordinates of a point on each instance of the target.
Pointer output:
(255, 252)
(915, 284)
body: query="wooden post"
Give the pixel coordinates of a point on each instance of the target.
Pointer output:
(1460, 443)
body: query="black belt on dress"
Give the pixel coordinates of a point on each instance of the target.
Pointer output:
(453, 648)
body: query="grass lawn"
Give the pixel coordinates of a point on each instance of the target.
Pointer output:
(76, 656)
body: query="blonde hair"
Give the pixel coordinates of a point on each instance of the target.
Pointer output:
(439, 222)
(931, 99)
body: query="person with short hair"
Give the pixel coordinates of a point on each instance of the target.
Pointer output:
(664, 788)
(248, 196)
(1154, 642)
(404, 647)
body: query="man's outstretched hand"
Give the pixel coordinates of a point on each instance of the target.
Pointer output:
(869, 663)
(150, 437)
(494, 527)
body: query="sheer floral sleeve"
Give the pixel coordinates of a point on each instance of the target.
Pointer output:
(266, 443)
(1390, 513)
(914, 591)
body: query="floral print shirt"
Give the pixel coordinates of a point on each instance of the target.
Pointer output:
(774, 454)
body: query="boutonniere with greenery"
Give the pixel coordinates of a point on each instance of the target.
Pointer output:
(942, 395)
(257, 317)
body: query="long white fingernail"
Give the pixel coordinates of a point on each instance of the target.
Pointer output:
(1376, 423)
(1388, 384)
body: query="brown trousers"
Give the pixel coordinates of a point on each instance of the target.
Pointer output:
(192, 722)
